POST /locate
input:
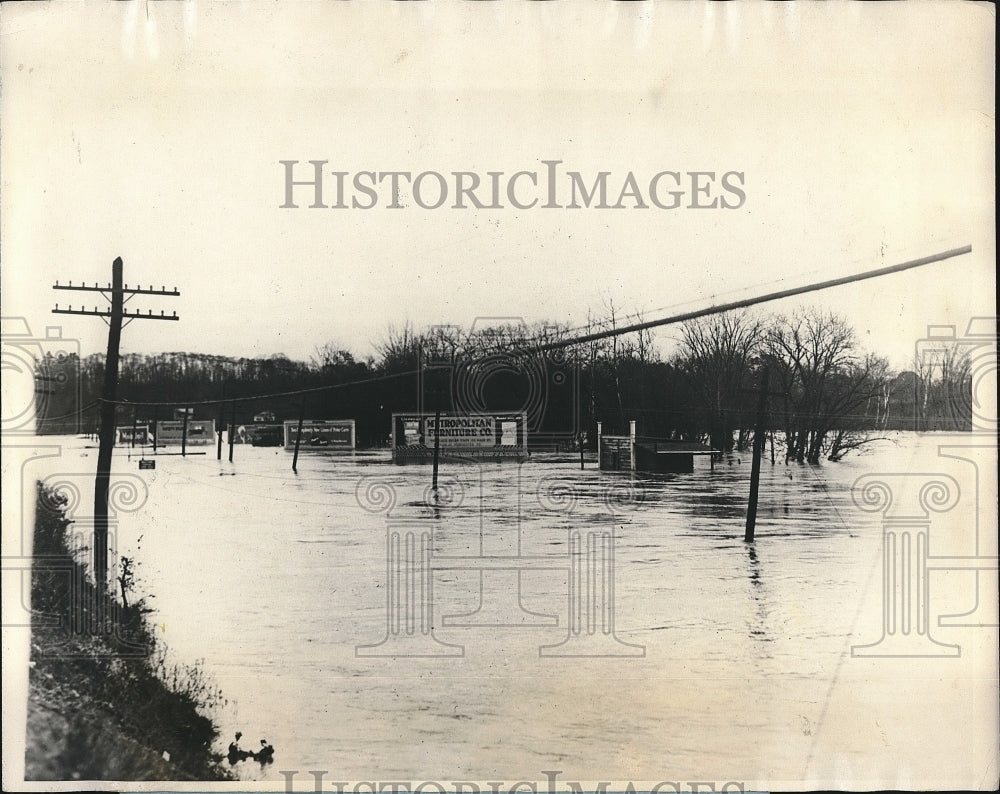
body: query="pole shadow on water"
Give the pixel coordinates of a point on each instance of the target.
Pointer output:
(758, 627)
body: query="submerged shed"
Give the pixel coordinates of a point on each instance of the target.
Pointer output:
(647, 454)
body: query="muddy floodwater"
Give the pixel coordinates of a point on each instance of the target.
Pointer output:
(534, 616)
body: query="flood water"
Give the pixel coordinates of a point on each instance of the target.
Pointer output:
(615, 626)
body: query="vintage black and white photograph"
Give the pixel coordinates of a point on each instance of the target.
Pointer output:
(495, 397)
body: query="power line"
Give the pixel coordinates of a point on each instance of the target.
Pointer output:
(740, 304)
(531, 346)
(271, 396)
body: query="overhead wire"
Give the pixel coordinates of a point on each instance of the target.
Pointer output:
(535, 345)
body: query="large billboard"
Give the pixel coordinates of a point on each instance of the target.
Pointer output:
(260, 435)
(321, 434)
(138, 434)
(472, 435)
(199, 432)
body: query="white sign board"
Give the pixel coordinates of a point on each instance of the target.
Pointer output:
(462, 431)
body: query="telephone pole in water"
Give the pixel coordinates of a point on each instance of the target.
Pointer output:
(760, 430)
(116, 316)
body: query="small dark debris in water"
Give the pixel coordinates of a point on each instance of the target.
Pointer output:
(264, 755)
(227, 473)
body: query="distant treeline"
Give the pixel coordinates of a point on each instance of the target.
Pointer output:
(826, 395)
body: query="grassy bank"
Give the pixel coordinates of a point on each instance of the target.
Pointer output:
(103, 703)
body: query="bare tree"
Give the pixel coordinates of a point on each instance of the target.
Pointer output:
(827, 381)
(401, 349)
(330, 355)
(717, 354)
(944, 387)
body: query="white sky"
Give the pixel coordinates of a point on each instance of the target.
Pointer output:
(153, 132)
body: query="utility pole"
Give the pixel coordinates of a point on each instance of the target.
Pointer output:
(218, 431)
(298, 437)
(758, 449)
(437, 450)
(135, 427)
(117, 317)
(232, 428)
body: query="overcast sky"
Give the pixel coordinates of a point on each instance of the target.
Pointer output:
(864, 133)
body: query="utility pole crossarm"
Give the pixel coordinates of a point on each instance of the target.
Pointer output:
(125, 290)
(135, 314)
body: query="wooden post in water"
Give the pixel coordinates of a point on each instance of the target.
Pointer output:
(581, 451)
(758, 449)
(599, 452)
(156, 420)
(184, 434)
(232, 428)
(437, 449)
(135, 427)
(298, 438)
(218, 432)
(631, 444)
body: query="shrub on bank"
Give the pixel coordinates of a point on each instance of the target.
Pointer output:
(104, 703)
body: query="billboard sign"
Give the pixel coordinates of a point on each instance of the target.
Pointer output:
(259, 435)
(492, 435)
(134, 435)
(199, 432)
(335, 434)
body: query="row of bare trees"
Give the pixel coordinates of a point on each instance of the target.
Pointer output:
(824, 391)
(826, 397)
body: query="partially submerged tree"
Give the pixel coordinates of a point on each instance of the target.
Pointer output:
(828, 383)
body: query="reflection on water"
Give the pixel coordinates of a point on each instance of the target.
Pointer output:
(276, 579)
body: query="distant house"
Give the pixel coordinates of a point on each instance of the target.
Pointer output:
(263, 417)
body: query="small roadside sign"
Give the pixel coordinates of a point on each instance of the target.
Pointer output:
(147, 464)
